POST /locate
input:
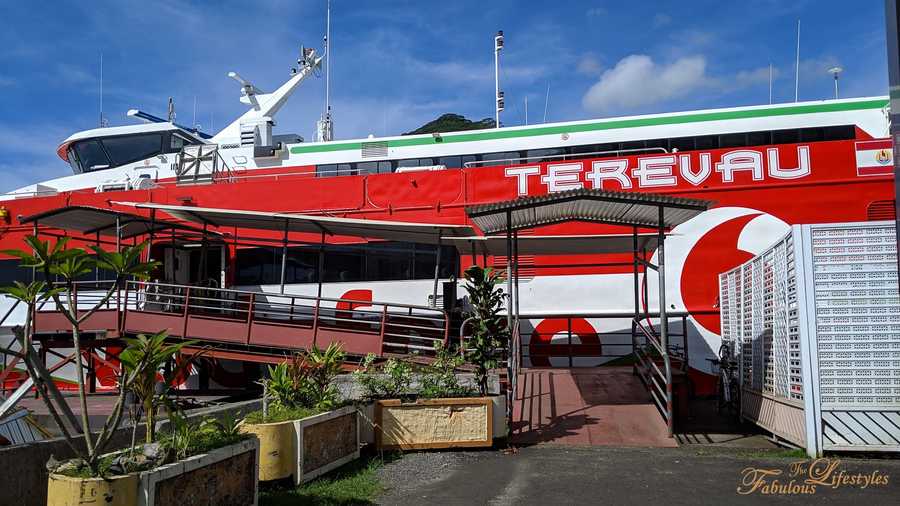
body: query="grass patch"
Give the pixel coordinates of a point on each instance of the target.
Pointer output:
(354, 483)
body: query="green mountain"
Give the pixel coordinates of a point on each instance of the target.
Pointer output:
(451, 123)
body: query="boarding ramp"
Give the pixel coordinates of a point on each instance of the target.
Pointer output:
(252, 325)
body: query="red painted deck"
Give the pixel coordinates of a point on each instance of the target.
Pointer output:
(602, 406)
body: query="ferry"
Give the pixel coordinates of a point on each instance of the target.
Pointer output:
(766, 167)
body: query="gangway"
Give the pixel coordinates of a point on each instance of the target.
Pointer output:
(253, 325)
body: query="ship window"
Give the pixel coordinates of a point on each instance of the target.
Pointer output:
(416, 162)
(502, 158)
(732, 140)
(785, 136)
(706, 142)
(389, 261)
(658, 143)
(812, 134)
(454, 162)
(633, 145)
(840, 133)
(682, 143)
(176, 142)
(759, 138)
(344, 263)
(376, 261)
(92, 156)
(131, 148)
(540, 155)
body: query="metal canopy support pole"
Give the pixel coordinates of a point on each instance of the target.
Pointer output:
(637, 293)
(663, 319)
(34, 232)
(437, 270)
(284, 251)
(320, 269)
(118, 233)
(516, 271)
(509, 294)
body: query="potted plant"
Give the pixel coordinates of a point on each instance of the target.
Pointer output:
(135, 475)
(191, 463)
(303, 430)
(441, 412)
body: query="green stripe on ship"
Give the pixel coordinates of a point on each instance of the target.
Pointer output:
(604, 125)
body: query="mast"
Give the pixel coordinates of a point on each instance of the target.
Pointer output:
(325, 127)
(498, 95)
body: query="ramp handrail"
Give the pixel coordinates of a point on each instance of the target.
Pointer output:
(657, 380)
(399, 328)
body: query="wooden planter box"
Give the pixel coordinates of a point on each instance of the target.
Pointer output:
(226, 476)
(309, 447)
(434, 423)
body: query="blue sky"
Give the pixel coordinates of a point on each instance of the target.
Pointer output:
(398, 64)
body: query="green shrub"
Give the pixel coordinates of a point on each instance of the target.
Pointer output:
(439, 379)
(388, 380)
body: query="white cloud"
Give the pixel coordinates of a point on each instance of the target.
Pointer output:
(7, 81)
(589, 65)
(638, 81)
(661, 19)
(596, 12)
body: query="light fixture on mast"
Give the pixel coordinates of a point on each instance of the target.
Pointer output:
(836, 72)
(498, 95)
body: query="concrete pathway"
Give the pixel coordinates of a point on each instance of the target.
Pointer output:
(561, 475)
(602, 406)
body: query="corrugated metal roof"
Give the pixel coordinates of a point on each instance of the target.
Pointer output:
(93, 220)
(260, 220)
(556, 244)
(599, 206)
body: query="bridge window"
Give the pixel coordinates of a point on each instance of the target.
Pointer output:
(131, 148)
(91, 156)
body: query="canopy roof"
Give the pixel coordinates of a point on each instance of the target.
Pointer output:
(556, 244)
(600, 206)
(96, 220)
(260, 220)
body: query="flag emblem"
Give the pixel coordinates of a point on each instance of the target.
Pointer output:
(874, 158)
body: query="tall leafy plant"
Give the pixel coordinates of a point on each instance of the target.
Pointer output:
(489, 326)
(144, 358)
(67, 265)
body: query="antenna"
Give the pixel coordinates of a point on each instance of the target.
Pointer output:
(103, 122)
(325, 127)
(546, 101)
(797, 73)
(498, 95)
(194, 122)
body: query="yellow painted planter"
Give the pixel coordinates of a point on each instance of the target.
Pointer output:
(115, 491)
(277, 448)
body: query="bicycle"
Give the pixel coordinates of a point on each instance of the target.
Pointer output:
(728, 389)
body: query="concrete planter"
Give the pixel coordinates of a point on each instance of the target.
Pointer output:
(436, 423)
(308, 447)
(226, 476)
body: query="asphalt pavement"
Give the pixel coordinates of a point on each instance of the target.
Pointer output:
(559, 475)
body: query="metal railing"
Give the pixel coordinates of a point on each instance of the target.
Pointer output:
(266, 320)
